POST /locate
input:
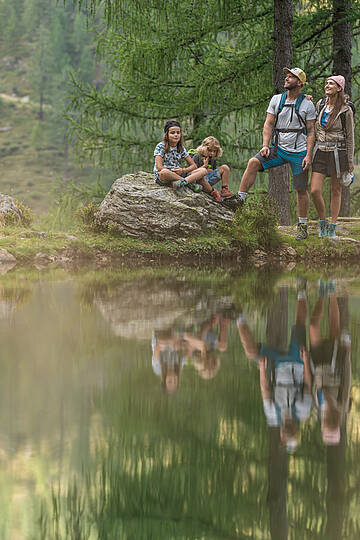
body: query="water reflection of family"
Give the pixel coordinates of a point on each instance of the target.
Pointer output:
(293, 380)
(196, 345)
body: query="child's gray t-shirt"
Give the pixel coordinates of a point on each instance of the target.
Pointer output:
(307, 111)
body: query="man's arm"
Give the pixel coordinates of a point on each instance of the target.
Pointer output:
(267, 134)
(310, 141)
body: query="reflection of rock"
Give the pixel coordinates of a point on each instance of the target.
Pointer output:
(136, 309)
(138, 207)
(7, 261)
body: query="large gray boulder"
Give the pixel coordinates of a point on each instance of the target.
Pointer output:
(140, 208)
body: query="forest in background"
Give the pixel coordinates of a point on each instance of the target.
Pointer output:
(41, 42)
(208, 64)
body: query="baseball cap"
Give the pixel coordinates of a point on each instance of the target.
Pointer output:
(299, 73)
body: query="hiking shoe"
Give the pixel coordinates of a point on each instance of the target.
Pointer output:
(226, 193)
(301, 231)
(179, 185)
(331, 230)
(196, 188)
(234, 202)
(216, 195)
(323, 228)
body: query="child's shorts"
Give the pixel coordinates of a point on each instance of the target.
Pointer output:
(168, 182)
(213, 177)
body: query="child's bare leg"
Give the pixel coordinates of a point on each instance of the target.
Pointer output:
(196, 175)
(167, 174)
(225, 174)
(205, 184)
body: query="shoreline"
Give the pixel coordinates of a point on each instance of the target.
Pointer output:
(26, 247)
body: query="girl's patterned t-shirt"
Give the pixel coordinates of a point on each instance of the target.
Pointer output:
(171, 159)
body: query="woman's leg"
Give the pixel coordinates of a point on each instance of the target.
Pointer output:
(317, 180)
(315, 319)
(335, 198)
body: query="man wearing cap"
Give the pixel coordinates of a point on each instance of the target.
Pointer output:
(290, 122)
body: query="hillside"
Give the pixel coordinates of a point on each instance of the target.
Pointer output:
(32, 168)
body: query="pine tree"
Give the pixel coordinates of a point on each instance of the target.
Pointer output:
(207, 64)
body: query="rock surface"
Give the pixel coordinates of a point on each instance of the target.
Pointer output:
(138, 207)
(9, 206)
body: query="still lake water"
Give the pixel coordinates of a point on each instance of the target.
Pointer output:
(179, 404)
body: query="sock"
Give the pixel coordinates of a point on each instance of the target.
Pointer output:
(303, 220)
(242, 195)
(301, 295)
(241, 319)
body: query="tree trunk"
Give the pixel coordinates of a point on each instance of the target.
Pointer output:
(342, 66)
(283, 49)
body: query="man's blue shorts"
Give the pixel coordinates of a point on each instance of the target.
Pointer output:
(295, 159)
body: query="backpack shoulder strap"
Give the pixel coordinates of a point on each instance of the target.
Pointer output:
(298, 103)
(280, 107)
(282, 102)
(320, 105)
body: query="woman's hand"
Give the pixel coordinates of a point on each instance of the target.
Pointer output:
(178, 170)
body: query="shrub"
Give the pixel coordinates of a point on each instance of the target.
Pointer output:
(255, 223)
(86, 213)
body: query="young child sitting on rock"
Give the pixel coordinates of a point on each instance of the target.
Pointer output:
(205, 156)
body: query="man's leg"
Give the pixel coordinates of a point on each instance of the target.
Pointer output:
(256, 164)
(249, 177)
(303, 204)
(300, 182)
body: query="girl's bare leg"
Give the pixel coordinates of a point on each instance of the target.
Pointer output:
(167, 174)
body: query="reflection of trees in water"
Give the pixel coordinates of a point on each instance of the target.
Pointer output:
(195, 465)
(12, 298)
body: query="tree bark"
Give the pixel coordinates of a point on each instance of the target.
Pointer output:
(283, 51)
(342, 66)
